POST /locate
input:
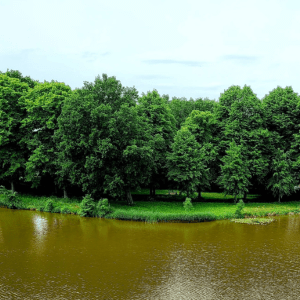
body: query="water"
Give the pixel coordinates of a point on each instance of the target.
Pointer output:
(54, 256)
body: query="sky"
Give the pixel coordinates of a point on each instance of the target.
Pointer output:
(192, 48)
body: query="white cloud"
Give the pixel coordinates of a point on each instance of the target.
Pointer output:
(187, 49)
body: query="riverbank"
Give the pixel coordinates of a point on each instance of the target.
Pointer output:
(165, 208)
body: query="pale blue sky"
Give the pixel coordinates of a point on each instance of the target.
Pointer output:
(181, 48)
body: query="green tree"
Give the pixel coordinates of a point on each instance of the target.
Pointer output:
(235, 172)
(162, 128)
(202, 125)
(181, 108)
(103, 143)
(43, 104)
(282, 181)
(17, 74)
(241, 117)
(186, 163)
(282, 112)
(13, 155)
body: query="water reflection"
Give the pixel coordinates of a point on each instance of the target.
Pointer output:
(54, 256)
(1, 236)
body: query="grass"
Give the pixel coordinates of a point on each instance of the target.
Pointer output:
(262, 221)
(166, 208)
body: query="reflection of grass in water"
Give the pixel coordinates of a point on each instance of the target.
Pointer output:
(261, 221)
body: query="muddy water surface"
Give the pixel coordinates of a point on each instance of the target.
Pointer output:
(54, 256)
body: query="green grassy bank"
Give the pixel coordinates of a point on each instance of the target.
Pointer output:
(164, 208)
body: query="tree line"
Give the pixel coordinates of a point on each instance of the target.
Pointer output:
(106, 139)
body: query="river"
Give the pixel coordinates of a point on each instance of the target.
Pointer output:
(55, 256)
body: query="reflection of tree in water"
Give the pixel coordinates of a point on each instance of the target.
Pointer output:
(40, 232)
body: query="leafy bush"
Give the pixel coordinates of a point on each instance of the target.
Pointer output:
(65, 210)
(49, 206)
(238, 213)
(10, 199)
(56, 210)
(187, 204)
(87, 207)
(41, 208)
(103, 207)
(194, 196)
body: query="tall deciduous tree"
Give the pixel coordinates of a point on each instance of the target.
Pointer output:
(282, 181)
(12, 155)
(162, 128)
(282, 111)
(235, 172)
(43, 104)
(104, 144)
(186, 162)
(181, 108)
(202, 126)
(246, 125)
(17, 74)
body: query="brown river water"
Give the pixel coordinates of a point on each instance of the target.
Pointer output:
(54, 256)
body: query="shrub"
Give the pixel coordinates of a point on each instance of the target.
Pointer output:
(41, 208)
(187, 204)
(87, 207)
(65, 210)
(49, 206)
(56, 210)
(238, 213)
(10, 199)
(103, 207)
(194, 196)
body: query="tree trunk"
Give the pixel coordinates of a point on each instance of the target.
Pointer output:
(129, 197)
(245, 197)
(55, 188)
(235, 198)
(278, 198)
(12, 186)
(199, 193)
(151, 191)
(65, 192)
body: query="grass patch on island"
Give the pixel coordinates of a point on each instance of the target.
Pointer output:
(261, 221)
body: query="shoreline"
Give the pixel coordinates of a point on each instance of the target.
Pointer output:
(161, 211)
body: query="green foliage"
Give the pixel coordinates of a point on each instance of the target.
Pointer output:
(41, 208)
(162, 127)
(187, 204)
(202, 125)
(282, 114)
(56, 210)
(240, 206)
(43, 104)
(103, 207)
(65, 210)
(103, 142)
(181, 108)
(49, 206)
(185, 162)
(87, 207)
(235, 173)
(13, 156)
(282, 181)
(17, 74)
(10, 199)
